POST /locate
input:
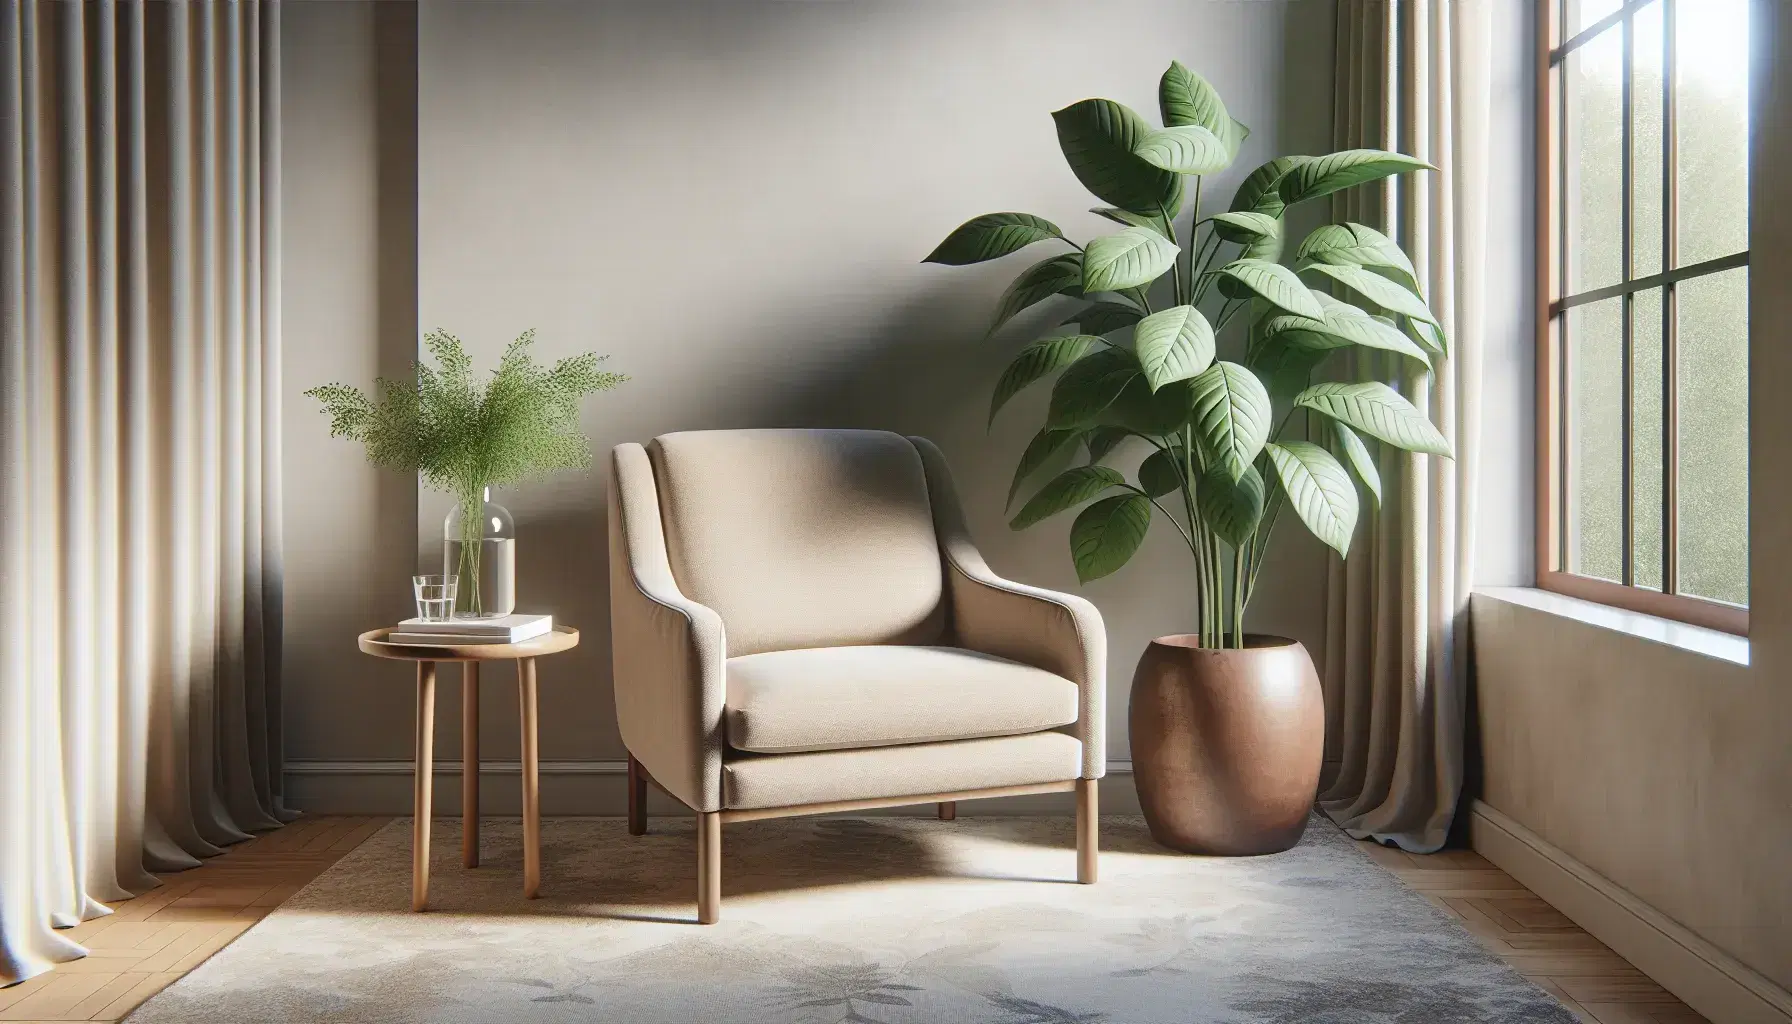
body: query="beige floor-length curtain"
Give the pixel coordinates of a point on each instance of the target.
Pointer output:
(139, 451)
(1412, 75)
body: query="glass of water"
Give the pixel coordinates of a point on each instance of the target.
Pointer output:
(435, 596)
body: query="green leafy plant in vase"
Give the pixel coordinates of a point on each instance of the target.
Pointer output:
(1227, 730)
(464, 436)
(1225, 460)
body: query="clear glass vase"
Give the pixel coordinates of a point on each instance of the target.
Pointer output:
(483, 554)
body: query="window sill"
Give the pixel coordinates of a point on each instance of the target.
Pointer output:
(1697, 639)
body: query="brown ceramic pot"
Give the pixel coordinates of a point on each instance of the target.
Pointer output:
(1226, 744)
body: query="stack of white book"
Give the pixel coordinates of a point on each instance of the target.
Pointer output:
(501, 629)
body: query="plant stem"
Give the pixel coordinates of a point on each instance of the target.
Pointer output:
(1199, 539)
(1138, 296)
(1175, 265)
(1276, 434)
(1238, 596)
(1260, 539)
(1227, 312)
(1186, 539)
(1217, 583)
(472, 514)
(1194, 233)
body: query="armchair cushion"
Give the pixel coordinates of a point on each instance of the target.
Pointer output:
(839, 698)
(790, 780)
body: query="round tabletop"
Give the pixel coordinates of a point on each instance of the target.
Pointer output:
(563, 638)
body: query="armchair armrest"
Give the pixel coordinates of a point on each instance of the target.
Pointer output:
(1060, 633)
(667, 651)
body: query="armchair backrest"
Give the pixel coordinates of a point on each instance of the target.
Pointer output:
(802, 538)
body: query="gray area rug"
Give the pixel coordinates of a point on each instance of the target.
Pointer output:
(886, 920)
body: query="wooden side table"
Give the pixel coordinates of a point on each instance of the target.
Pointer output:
(563, 638)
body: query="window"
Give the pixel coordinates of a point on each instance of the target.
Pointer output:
(1642, 391)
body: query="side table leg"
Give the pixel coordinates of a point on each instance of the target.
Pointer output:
(424, 784)
(525, 671)
(469, 763)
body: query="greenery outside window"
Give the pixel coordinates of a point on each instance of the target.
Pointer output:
(1643, 119)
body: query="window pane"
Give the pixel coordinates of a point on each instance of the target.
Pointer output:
(1591, 159)
(1711, 72)
(1713, 383)
(1646, 61)
(1595, 484)
(1645, 445)
(1583, 13)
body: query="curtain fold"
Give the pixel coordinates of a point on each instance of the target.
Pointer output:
(1412, 75)
(139, 451)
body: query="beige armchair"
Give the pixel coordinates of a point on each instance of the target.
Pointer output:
(801, 625)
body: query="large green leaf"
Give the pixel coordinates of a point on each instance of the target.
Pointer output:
(1160, 472)
(1106, 534)
(1319, 490)
(1059, 275)
(1040, 449)
(1342, 325)
(1359, 245)
(1129, 258)
(990, 236)
(1101, 441)
(1173, 344)
(1323, 175)
(1377, 410)
(1185, 149)
(1260, 233)
(1285, 369)
(1231, 507)
(1089, 386)
(1276, 284)
(1152, 413)
(1103, 317)
(1268, 248)
(1357, 454)
(1427, 333)
(1185, 98)
(1098, 138)
(1259, 189)
(1243, 225)
(1235, 134)
(1389, 332)
(1069, 488)
(1377, 289)
(1231, 415)
(1134, 220)
(1047, 355)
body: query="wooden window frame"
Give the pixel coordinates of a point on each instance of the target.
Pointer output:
(1551, 309)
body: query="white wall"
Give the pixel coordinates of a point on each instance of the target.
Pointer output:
(732, 200)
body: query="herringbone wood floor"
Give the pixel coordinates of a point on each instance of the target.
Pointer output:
(152, 940)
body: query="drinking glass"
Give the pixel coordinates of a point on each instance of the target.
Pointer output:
(435, 596)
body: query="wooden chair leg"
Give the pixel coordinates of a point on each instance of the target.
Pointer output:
(1088, 822)
(948, 810)
(637, 798)
(709, 868)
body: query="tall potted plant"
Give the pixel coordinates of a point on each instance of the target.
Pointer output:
(466, 439)
(1227, 726)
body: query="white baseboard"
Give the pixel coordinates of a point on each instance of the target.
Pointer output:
(1706, 978)
(597, 788)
